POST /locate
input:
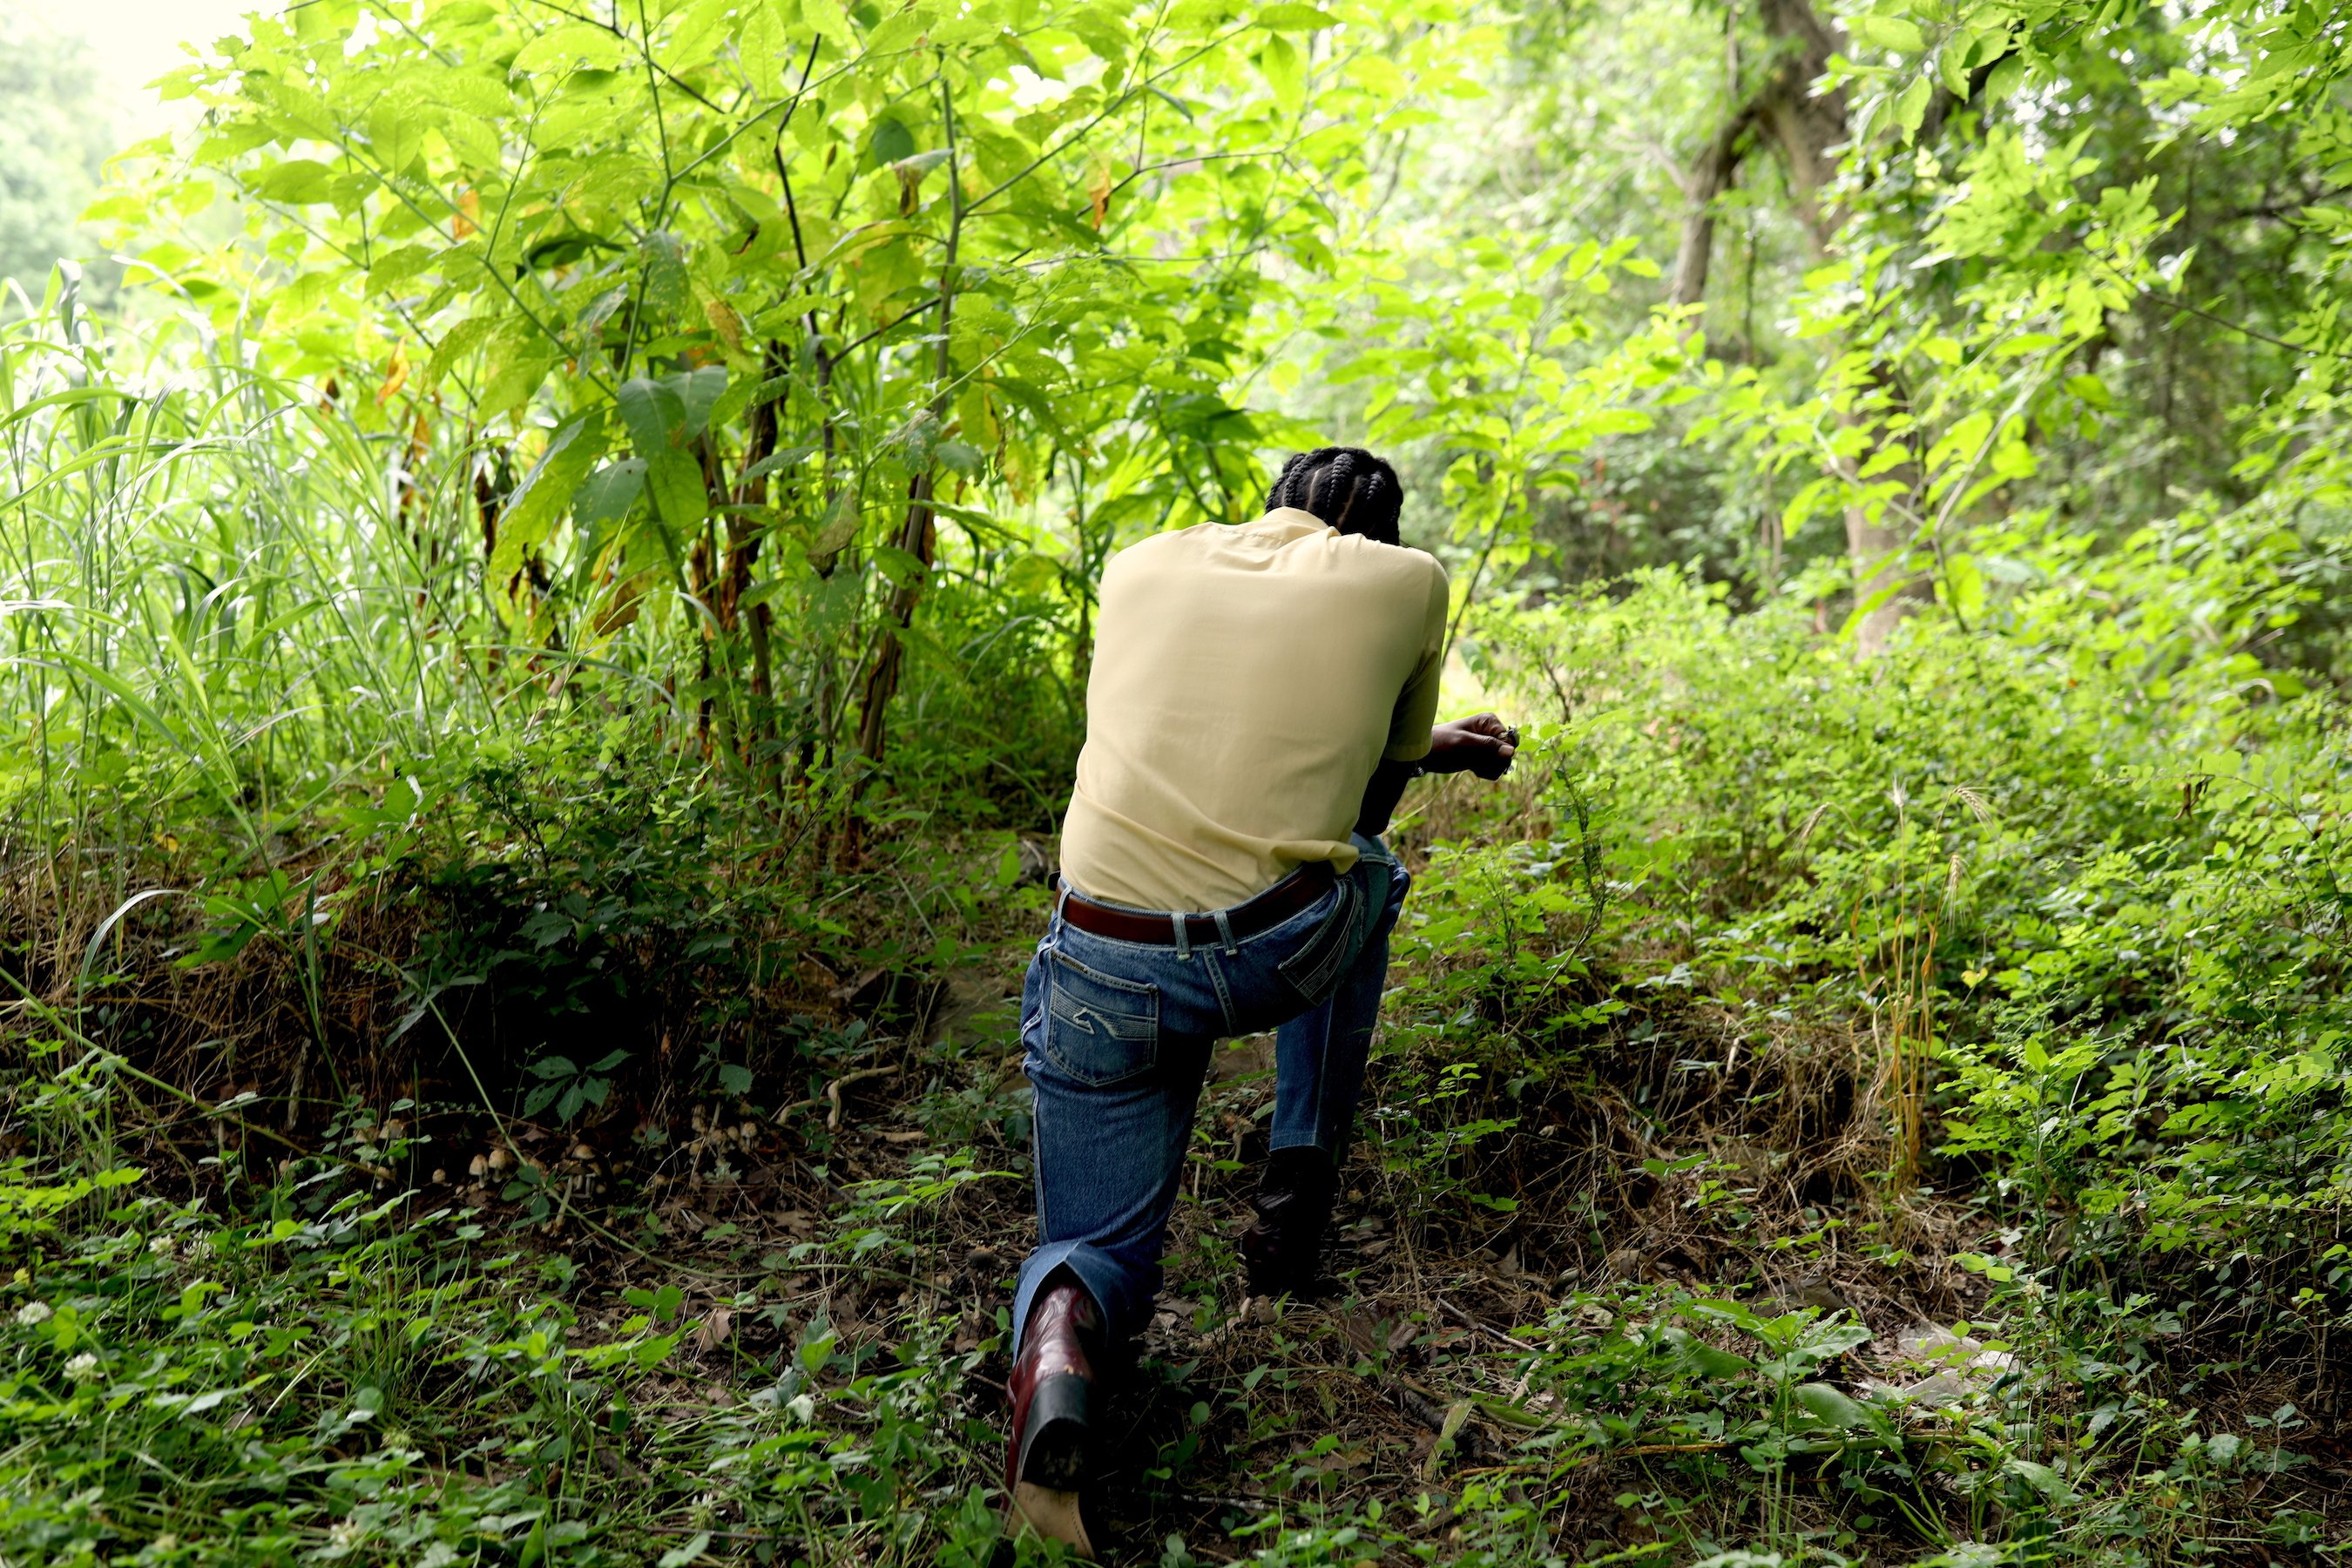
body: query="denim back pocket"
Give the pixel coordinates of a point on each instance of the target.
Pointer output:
(1099, 1030)
(1314, 967)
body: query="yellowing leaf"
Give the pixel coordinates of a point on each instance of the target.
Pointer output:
(1098, 184)
(725, 323)
(396, 375)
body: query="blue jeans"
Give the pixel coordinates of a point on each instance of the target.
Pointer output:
(1118, 1035)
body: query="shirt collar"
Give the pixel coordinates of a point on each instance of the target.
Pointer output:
(1285, 524)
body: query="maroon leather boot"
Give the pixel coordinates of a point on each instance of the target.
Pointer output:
(1053, 1385)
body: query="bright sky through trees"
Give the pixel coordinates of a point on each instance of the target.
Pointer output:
(139, 40)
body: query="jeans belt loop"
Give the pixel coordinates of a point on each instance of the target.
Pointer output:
(1181, 921)
(1225, 933)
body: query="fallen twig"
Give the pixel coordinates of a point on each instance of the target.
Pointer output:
(1467, 1322)
(833, 1090)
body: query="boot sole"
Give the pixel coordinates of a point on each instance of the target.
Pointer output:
(1055, 1450)
(1056, 1515)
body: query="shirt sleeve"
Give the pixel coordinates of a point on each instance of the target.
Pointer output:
(1416, 706)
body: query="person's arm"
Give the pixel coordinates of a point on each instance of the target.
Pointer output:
(1481, 744)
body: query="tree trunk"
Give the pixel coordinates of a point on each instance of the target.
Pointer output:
(1806, 126)
(1874, 549)
(920, 533)
(919, 537)
(1705, 183)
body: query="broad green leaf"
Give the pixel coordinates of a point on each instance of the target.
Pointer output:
(2041, 1478)
(666, 284)
(395, 267)
(695, 33)
(1882, 32)
(539, 502)
(573, 46)
(1288, 16)
(829, 21)
(666, 412)
(1832, 1406)
(674, 480)
(297, 182)
(610, 491)
(516, 361)
(396, 134)
(897, 32)
(791, 457)
(1278, 61)
(1912, 107)
(460, 341)
(473, 138)
(1964, 583)
(839, 527)
(888, 141)
(766, 53)
(653, 411)
(698, 393)
(1710, 1360)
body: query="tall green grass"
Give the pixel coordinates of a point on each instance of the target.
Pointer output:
(245, 639)
(220, 586)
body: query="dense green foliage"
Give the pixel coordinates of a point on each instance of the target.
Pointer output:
(544, 652)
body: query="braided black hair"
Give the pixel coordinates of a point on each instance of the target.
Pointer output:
(1347, 486)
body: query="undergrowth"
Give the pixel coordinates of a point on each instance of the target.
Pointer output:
(456, 1107)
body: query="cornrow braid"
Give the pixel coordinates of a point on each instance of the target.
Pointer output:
(1347, 486)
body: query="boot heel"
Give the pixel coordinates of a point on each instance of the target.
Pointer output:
(1055, 1453)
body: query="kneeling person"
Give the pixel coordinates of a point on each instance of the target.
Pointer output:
(1260, 696)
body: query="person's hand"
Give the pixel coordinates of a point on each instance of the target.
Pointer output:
(1481, 744)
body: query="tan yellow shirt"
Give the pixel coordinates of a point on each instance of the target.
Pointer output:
(1246, 681)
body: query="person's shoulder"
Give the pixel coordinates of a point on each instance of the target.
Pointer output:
(1420, 578)
(1417, 568)
(1424, 564)
(1174, 541)
(1155, 550)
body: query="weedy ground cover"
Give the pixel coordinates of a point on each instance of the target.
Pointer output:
(1903, 1135)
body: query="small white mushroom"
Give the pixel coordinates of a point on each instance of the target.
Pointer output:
(500, 1159)
(477, 1169)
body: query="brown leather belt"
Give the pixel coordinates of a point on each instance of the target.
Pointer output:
(1287, 897)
